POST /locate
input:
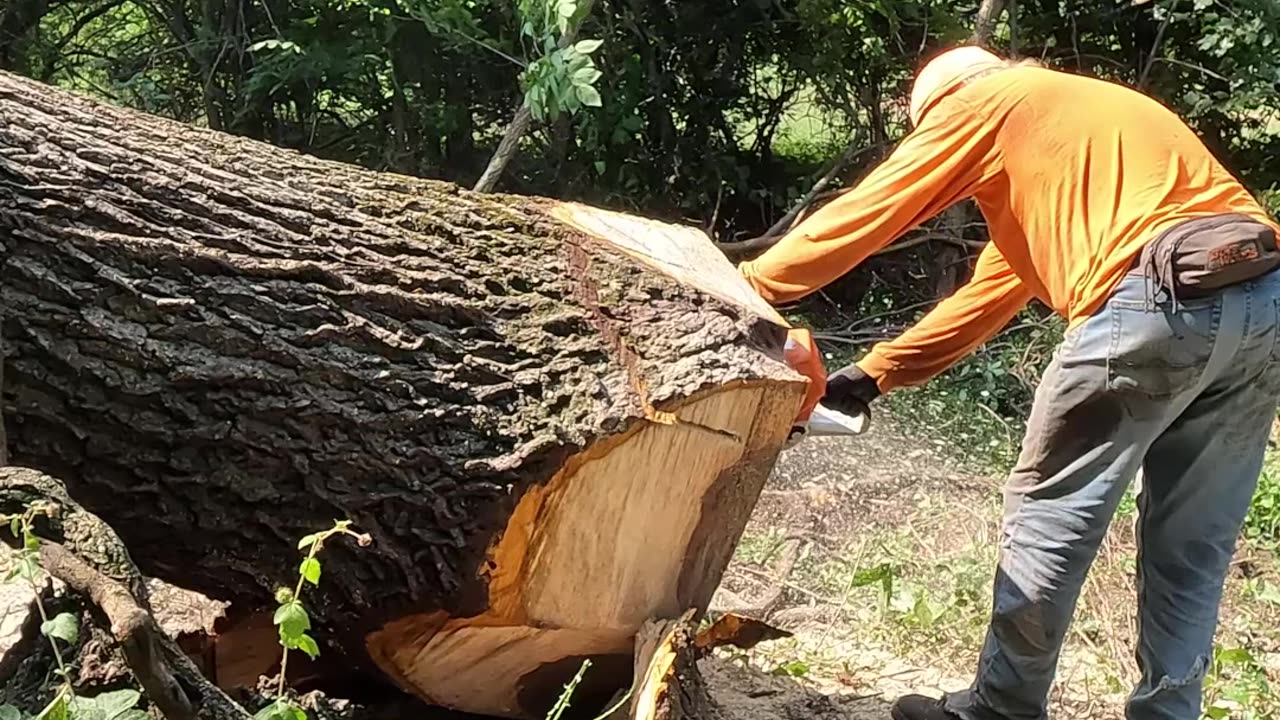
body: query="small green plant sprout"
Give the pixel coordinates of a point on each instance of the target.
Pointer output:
(292, 620)
(792, 668)
(562, 703)
(64, 629)
(566, 695)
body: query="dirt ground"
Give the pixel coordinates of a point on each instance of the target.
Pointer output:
(825, 493)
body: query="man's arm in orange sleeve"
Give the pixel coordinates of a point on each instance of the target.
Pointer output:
(945, 335)
(937, 165)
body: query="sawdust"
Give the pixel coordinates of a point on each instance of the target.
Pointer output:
(843, 485)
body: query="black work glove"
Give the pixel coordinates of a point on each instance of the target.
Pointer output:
(851, 391)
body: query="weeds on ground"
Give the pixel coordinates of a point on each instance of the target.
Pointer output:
(977, 409)
(61, 631)
(1237, 687)
(1263, 523)
(291, 618)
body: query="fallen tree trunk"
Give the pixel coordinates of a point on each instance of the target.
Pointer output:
(553, 420)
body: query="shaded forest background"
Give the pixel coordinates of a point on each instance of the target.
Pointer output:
(719, 114)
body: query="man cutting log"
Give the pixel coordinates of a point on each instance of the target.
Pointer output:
(1105, 206)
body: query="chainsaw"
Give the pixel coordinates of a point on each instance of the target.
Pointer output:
(827, 422)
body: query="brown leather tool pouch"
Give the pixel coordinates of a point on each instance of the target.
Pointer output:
(1199, 257)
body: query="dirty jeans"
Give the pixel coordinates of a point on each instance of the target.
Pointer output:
(1186, 392)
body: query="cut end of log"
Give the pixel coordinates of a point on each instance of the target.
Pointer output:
(684, 253)
(637, 527)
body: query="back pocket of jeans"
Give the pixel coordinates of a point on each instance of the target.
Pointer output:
(1159, 354)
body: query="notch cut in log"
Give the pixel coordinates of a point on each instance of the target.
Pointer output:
(553, 420)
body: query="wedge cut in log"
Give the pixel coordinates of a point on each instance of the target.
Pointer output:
(553, 420)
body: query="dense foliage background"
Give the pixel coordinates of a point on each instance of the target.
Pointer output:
(720, 114)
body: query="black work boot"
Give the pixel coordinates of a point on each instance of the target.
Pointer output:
(919, 707)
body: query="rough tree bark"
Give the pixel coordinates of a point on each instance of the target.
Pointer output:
(553, 420)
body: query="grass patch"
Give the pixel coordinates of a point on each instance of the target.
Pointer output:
(1262, 526)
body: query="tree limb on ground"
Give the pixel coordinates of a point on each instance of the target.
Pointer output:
(92, 561)
(819, 192)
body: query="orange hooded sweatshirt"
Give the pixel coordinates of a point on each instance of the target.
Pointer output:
(1074, 176)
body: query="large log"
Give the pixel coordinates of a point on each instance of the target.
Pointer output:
(553, 420)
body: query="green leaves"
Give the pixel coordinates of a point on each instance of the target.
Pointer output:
(64, 627)
(280, 710)
(307, 644)
(278, 45)
(585, 76)
(113, 705)
(293, 622)
(543, 19)
(1235, 656)
(563, 81)
(564, 10)
(310, 570)
(793, 668)
(27, 563)
(59, 709)
(560, 80)
(884, 574)
(588, 96)
(25, 566)
(292, 619)
(9, 712)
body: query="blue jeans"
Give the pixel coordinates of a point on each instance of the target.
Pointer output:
(1187, 393)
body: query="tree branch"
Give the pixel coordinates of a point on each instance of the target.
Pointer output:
(133, 628)
(985, 25)
(1155, 45)
(746, 248)
(523, 119)
(92, 561)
